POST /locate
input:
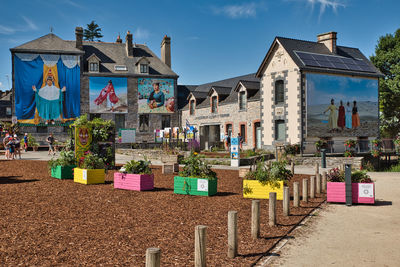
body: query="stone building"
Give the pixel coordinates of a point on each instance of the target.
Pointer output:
(5, 106)
(225, 107)
(135, 62)
(286, 86)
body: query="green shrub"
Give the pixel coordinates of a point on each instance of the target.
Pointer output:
(272, 174)
(336, 175)
(197, 168)
(91, 161)
(395, 168)
(137, 167)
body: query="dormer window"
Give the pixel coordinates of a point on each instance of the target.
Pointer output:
(94, 67)
(93, 63)
(143, 65)
(144, 68)
(214, 104)
(242, 100)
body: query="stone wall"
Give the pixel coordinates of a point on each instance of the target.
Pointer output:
(152, 155)
(331, 162)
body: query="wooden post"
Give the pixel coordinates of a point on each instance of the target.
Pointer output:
(296, 196)
(200, 240)
(255, 219)
(312, 187)
(292, 167)
(153, 257)
(305, 190)
(232, 234)
(272, 209)
(316, 168)
(286, 201)
(324, 181)
(318, 181)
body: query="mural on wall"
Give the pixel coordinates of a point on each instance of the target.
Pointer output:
(47, 88)
(341, 106)
(83, 140)
(108, 95)
(156, 95)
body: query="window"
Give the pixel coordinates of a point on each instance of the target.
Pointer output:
(144, 123)
(228, 129)
(119, 121)
(242, 100)
(144, 68)
(280, 130)
(191, 107)
(243, 132)
(8, 111)
(93, 67)
(279, 92)
(165, 121)
(214, 102)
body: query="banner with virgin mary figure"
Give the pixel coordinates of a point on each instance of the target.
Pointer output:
(47, 88)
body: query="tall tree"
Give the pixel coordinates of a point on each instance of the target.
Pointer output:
(92, 32)
(387, 60)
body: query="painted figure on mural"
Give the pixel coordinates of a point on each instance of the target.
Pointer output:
(355, 118)
(348, 115)
(332, 122)
(49, 99)
(341, 119)
(156, 98)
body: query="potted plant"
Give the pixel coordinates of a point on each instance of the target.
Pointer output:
(135, 175)
(196, 178)
(91, 170)
(63, 166)
(32, 142)
(265, 179)
(362, 187)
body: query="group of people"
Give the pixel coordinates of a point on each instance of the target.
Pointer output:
(228, 142)
(12, 146)
(346, 117)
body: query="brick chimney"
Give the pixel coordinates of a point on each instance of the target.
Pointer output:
(128, 42)
(329, 40)
(119, 40)
(79, 37)
(166, 50)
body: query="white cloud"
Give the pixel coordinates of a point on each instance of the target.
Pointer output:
(245, 10)
(324, 4)
(30, 23)
(141, 34)
(72, 3)
(29, 26)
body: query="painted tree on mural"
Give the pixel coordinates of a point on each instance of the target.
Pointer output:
(92, 32)
(387, 60)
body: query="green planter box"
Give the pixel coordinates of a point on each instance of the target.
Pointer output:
(195, 186)
(63, 172)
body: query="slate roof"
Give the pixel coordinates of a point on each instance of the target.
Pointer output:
(110, 54)
(49, 43)
(183, 93)
(292, 45)
(226, 91)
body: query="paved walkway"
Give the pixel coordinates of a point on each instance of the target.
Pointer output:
(362, 235)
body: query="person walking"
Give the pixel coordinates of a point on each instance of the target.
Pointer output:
(50, 140)
(11, 148)
(240, 139)
(17, 144)
(26, 142)
(6, 148)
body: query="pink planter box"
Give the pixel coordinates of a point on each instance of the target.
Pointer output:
(136, 182)
(361, 192)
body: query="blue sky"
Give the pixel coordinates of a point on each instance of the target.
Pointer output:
(211, 40)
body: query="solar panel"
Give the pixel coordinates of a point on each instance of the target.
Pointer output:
(333, 62)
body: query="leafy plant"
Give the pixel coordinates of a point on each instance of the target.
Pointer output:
(197, 168)
(271, 174)
(320, 144)
(66, 158)
(349, 153)
(292, 149)
(336, 175)
(32, 141)
(350, 144)
(91, 161)
(137, 167)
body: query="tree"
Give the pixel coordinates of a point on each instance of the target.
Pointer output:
(387, 60)
(92, 31)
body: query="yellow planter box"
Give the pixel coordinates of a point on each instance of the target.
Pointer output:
(84, 176)
(254, 189)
